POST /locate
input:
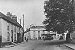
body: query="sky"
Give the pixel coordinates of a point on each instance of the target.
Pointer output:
(33, 10)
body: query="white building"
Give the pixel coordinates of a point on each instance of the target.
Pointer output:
(36, 32)
(10, 30)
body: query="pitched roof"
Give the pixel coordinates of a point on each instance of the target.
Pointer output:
(9, 19)
(38, 27)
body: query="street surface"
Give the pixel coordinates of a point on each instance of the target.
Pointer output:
(39, 45)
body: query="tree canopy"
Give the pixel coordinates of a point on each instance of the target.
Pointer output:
(59, 15)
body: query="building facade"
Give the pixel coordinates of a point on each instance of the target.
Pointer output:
(36, 32)
(10, 30)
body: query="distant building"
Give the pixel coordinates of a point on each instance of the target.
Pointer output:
(36, 32)
(10, 30)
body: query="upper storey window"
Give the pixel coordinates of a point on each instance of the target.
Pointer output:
(8, 28)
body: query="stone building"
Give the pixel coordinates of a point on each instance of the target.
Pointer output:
(36, 32)
(10, 30)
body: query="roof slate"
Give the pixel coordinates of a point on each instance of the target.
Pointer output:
(9, 19)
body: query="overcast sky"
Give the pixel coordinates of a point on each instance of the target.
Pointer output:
(32, 10)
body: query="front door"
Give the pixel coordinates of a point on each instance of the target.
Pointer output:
(12, 35)
(18, 37)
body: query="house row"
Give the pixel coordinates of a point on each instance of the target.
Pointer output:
(36, 32)
(10, 29)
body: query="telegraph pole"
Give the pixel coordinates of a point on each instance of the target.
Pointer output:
(23, 29)
(23, 21)
(20, 21)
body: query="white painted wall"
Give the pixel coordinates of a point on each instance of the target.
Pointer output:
(4, 30)
(46, 32)
(4, 24)
(36, 32)
(37, 35)
(0, 28)
(58, 36)
(31, 33)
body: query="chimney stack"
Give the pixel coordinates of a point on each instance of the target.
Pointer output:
(14, 17)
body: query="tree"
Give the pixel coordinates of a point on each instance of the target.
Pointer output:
(59, 15)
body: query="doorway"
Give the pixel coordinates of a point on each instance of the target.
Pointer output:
(12, 35)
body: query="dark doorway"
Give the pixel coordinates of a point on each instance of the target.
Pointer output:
(18, 37)
(68, 37)
(12, 35)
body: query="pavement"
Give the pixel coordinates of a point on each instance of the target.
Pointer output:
(18, 44)
(12, 45)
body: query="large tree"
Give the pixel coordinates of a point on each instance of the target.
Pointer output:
(59, 15)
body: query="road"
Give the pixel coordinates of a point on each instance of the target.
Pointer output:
(39, 45)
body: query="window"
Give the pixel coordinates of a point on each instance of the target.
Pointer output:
(8, 36)
(34, 34)
(15, 29)
(43, 32)
(14, 37)
(8, 28)
(38, 33)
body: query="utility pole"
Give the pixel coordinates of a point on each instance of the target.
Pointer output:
(23, 29)
(23, 21)
(20, 21)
